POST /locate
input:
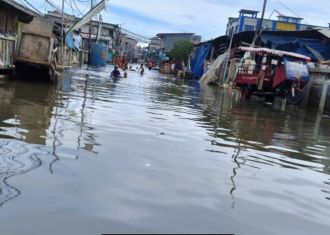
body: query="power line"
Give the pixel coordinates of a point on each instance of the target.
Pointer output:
(70, 5)
(32, 7)
(286, 7)
(53, 5)
(136, 35)
(74, 3)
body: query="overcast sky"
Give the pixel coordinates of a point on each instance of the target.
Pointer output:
(207, 18)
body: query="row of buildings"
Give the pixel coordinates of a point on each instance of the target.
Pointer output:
(286, 33)
(161, 45)
(109, 34)
(246, 21)
(13, 16)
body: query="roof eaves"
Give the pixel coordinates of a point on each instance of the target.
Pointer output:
(20, 7)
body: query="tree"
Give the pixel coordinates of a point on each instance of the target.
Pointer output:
(181, 50)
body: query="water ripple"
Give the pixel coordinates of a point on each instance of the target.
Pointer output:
(16, 158)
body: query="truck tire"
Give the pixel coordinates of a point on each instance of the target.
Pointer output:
(297, 99)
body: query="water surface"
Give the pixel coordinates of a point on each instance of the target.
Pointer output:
(156, 154)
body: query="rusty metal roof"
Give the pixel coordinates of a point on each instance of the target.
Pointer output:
(25, 14)
(275, 52)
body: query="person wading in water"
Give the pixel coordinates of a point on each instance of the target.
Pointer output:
(115, 73)
(141, 69)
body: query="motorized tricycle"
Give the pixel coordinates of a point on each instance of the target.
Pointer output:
(269, 73)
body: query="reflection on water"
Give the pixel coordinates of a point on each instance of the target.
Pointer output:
(16, 158)
(155, 147)
(25, 111)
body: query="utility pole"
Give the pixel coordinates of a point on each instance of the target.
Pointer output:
(224, 76)
(90, 35)
(262, 20)
(62, 34)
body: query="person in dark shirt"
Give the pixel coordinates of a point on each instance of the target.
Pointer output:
(115, 73)
(141, 69)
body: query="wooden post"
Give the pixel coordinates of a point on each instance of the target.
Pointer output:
(62, 33)
(323, 95)
(212, 53)
(70, 57)
(81, 58)
(308, 91)
(283, 104)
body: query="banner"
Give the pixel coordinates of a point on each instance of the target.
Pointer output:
(282, 26)
(86, 18)
(296, 70)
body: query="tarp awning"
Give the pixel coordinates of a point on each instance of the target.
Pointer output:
(297, 44)
(274, 52)
(197, 63)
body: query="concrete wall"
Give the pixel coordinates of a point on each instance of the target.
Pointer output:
(318, 90)
(76, 57)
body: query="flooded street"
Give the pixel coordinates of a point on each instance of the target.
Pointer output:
(157, 155)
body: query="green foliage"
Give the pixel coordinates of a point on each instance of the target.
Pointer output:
(181, 50)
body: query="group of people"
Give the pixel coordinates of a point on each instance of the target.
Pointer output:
(116, 73)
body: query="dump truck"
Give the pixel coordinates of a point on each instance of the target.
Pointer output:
(37, 53)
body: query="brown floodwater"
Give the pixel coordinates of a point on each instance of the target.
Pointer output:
(154, 154)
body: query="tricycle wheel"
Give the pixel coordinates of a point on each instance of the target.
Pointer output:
(295, 99)
(269, 99)
(246, 93)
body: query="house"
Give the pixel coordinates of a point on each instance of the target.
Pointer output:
(168, 39)
(109, 33)
(248, 21)
(155, 44)
(129, 46)
(12, 17)
(313, 43)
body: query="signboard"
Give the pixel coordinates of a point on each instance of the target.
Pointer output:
(86, 18)
(296, 70)
(282, 26)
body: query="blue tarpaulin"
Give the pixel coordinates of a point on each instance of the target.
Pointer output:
(296, 70)
(69, 41)
(197, 62)
(72, 41)
(297, 45)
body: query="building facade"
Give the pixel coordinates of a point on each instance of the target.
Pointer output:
(155, 45)
(129, 46)
(169, 39)
(248, 21)
(12, 18)
(108, 33)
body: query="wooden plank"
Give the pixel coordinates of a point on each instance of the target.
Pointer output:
(323, 96)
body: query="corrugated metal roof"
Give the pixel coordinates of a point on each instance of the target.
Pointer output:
(324, 31)
(274, 52)
(20, 7)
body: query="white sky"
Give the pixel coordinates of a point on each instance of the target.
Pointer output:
(204, 17)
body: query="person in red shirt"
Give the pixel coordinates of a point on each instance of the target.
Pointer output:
(150, 65)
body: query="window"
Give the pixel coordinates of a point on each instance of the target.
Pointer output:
(249, 28)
